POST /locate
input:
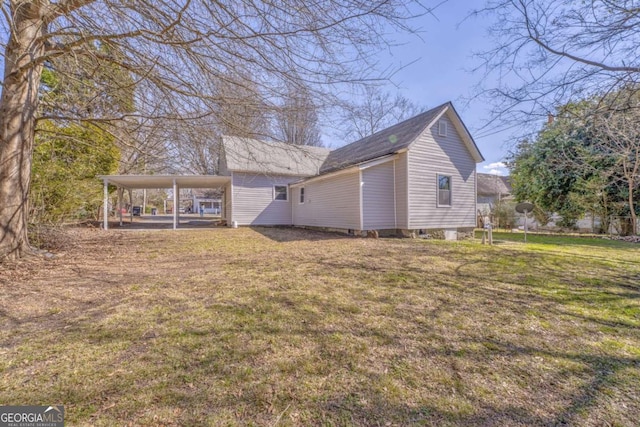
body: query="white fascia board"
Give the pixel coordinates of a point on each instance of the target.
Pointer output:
(378, 161)
(325, 176)
(460, 128)
(265, 173)
(350, 169)
(468, 141)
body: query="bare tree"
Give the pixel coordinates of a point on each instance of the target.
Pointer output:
(619, 139)
(550, 52)
(296, 120)
(378, 110)
(240, 108)
(194, 149)
(237, 109)
(173, 50)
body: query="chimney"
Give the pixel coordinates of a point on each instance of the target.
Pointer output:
(550, 118)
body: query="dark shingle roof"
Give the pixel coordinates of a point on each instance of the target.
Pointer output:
(387, 141)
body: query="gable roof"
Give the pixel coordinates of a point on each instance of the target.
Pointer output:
(387, 141)
(490, 185)
(396, 138)
(275, 158)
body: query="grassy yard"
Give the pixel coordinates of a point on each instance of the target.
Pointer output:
(287, 327)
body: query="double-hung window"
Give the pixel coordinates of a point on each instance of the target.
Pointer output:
(280, 192)
(444, 190)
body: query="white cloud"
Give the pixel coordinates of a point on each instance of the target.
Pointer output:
(495, 165)
(496, 172)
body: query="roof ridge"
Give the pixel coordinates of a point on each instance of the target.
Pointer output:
(282, 144)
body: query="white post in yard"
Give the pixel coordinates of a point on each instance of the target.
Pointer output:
(105, 207)
(175, 204)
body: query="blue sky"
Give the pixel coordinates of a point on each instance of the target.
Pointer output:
(437, 66)
(441, 72)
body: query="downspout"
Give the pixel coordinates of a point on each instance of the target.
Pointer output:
(361, 204)
(230, 222)
(395, 202)
(475, 198)
(406, 169)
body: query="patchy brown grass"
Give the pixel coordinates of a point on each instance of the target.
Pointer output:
(289, 327)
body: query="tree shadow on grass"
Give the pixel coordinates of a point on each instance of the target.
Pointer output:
(564, 240)
(203, 371)
(279, 354)
(602, 371)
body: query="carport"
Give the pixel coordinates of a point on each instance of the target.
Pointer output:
(175, 182)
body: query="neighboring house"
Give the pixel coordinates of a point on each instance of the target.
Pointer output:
(418, 175)
(492, 189)
(208, 202)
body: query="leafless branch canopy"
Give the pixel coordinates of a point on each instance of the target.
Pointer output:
(550, 52)
(187, 71)
(376, 111)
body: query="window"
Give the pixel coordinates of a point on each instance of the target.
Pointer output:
(442, 128)
(280, 192)
(301, 194)
(444, 190)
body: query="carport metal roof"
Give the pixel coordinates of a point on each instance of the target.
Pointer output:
(166, 181)
(160, 181)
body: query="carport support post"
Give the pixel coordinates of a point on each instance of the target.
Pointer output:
(105, 205)
(131, 203)
(175, 204)
(120, 197)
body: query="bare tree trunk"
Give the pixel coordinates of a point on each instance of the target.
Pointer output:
(17, 122)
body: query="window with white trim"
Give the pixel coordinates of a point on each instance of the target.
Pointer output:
(442, 128)
(301, 195)
(280, 192)
(444, 190)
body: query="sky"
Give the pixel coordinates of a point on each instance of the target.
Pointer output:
(435, 68)
(443, 56)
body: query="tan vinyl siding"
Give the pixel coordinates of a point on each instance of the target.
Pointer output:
(429, 156)
(378, 197)
(331, 202)
(253, 202)
(401, 191)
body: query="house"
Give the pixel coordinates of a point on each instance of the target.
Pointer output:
(492, 189)
(416, 176)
